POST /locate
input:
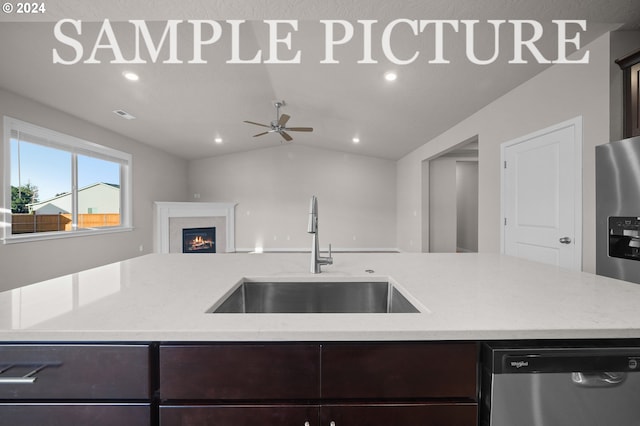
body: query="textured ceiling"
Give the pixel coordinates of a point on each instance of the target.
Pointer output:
(181, 108)
(610, 11)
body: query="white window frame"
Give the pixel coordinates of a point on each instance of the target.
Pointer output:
(75, 146)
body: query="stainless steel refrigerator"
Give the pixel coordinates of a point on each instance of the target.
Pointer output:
(618, 209)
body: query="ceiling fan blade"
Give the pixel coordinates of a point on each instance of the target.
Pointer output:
(300, 129)
(282, 121)
(257, 124)
(286, 136)
(260, 134)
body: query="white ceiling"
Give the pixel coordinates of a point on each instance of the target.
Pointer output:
(181, 108)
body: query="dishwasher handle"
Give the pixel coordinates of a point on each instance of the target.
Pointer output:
(601, 379)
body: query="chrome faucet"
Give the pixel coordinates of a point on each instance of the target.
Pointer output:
(316, 259)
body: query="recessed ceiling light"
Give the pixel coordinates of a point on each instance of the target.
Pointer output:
(218, 140)
(131, 76)
(356, 140)
(390, 76)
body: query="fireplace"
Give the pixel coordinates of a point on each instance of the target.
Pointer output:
(199, 240)
(172, 217)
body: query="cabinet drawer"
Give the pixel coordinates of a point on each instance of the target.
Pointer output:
(74, 372)
(400, 414)
(397, 371)
(239, 372)
(74, 415)
(243, 415)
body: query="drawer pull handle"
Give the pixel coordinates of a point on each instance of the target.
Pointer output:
(17, 380)
(28, 378)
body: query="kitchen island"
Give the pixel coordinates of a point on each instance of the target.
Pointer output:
(165, 297)
(134, 343)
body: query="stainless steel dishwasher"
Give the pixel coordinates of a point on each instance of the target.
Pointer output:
(561, 386)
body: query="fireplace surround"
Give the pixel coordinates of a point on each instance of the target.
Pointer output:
(172, 217)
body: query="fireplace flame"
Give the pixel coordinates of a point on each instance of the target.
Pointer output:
(198, 243)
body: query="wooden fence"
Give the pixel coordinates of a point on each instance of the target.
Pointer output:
(30, 223)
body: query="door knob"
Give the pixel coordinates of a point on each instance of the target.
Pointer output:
(565, 240)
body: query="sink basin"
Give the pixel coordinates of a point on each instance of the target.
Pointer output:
(314, 297)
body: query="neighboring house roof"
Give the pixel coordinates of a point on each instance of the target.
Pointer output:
(47, 208)
(99, 197)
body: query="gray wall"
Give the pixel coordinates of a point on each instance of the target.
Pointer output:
(156, 176)
(273, 186)
(557, 94)
(453, 205)
(467, 206)
(442, 205)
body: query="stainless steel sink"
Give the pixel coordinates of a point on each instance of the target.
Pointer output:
(314, 297)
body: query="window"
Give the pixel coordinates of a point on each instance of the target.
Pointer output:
(58, 185)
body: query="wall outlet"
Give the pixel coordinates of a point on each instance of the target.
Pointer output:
(196, 196)
(141, 248)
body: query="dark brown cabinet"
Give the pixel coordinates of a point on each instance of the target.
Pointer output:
(71, 414)
(630, 65)
(86, 372)
(238, 384)
(370, 384)
(410, 414)
(396, 414)
(65, 384)
(239, 372)
(399, 371)
(239, 415)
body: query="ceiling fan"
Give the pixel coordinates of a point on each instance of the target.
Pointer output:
(279, 125)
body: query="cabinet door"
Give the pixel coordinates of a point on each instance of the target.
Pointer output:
(630, 65)
(381, 371)
(74, 415)
(231, 372)
(632, 102)
(399, 415)
(84, 372)
(248, 415)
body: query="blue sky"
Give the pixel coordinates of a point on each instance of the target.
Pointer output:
(50, 169)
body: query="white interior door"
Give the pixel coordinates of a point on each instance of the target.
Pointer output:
(542, 196)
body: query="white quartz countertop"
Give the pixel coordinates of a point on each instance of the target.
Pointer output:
(164, 297)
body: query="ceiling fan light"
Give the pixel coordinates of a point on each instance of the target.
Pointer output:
(280, 124)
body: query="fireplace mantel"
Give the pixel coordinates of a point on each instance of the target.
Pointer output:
(166, 210)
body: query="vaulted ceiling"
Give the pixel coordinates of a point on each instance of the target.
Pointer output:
(183, 107)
